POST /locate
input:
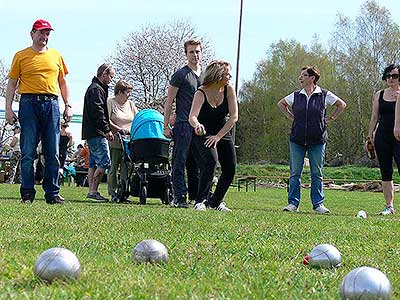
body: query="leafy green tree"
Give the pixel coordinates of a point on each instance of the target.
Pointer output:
(262, 129)
(360, 50)
(351, 68)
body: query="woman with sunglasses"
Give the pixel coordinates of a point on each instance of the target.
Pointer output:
(307, 108)
(386, 145)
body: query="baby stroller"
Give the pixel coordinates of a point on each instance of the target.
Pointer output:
(149, 171)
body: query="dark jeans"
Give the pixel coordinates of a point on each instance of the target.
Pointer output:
(208, 157)
(39, 118)
(182, 157)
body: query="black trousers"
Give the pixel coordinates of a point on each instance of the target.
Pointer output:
(207, 159)
(387, 148)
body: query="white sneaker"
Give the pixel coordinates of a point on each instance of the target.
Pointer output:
(322, 210)
(388, 210)
(200, 206)
(222, 207)
(291, 207)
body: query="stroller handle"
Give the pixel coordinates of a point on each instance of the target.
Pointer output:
(125, 150)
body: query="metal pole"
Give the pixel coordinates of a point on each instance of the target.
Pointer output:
(237, 62)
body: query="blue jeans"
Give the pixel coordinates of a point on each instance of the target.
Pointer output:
(183, 156)
(39, 119)
(316, 155)
(99, 153)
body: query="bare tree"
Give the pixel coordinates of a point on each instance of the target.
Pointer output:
(3, 79)
(148, 58)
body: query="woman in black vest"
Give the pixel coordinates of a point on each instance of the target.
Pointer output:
(307, 109)
(386, 145)
(214, 112)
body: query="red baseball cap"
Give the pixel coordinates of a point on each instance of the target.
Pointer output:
(41, 24)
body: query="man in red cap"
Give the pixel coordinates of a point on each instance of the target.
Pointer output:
(40, 74)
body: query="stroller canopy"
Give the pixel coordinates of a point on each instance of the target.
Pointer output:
(148, 124)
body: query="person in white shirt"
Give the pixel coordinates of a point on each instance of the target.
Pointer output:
(307, 108)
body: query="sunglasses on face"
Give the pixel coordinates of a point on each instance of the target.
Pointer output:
(394, 76)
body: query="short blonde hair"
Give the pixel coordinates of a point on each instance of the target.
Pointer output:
(214, 71)
(122, 86)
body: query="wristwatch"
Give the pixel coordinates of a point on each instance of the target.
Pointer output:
(68, 105)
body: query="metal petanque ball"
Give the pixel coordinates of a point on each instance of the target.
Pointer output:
(150, 251)
(362, 214)
(325, 256)
(365, 283)
(57, 263)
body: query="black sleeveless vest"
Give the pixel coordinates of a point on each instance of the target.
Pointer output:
(309, 126)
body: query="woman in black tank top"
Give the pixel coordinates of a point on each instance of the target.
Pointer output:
(65, 142)
(386, 145)
(214, 112)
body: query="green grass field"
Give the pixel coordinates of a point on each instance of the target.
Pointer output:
(255, 252)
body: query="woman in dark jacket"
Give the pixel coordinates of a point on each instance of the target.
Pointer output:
(307, 109)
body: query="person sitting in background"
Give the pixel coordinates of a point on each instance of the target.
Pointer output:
(75, 156)
(65, 143)
(386, 145)
(307, 109)
(82, 165)
(121, 112)
(15, 159)
(214, 112)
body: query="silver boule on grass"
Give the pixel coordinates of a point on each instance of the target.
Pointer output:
(361, 214)
(151, 251)
(57, 264)
(365, 283)
(325, 256)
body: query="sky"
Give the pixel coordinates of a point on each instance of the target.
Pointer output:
(87, 31)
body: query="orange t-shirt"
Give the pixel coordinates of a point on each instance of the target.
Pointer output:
(38, 72)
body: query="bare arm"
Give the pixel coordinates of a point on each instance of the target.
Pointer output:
(198, 101)
(10, 92)
(114, 127)
(285, 109)
(65, 95)
(70, 141)
(374, 116)
(396, 130)
(340, 106)
(233, 113)
(171, 95)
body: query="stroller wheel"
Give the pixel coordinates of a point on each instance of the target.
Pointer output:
(166, 199)
(143, 195)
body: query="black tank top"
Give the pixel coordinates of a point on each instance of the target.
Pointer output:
(214, 118)
(386, 114)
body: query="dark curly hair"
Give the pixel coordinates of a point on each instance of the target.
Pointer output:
(389, 69)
